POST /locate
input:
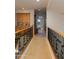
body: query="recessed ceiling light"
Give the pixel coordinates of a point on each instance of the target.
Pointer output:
(22, 8)
(37, 0)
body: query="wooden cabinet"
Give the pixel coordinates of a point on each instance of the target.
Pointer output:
(22, 20)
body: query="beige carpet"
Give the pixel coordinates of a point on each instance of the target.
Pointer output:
(38, 49)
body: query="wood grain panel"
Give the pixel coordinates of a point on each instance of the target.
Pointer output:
(23, 20)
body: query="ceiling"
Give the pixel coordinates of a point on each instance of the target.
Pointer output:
(30, 4)
(54, 5)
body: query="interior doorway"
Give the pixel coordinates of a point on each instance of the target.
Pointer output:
(40, 22)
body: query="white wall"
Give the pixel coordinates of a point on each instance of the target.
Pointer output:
(31, 15)
(55, 19)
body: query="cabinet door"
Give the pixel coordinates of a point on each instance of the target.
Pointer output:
(26, 20)
(23, 20)
(19, 20)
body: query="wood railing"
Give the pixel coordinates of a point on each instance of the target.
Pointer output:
(22, 39)
(57, 43)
